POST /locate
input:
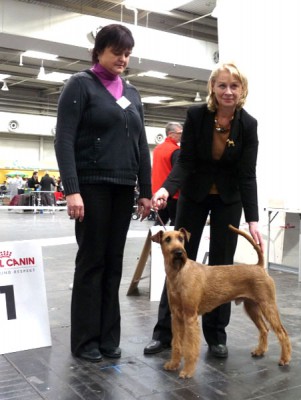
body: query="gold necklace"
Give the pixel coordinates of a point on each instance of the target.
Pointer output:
(220, 128)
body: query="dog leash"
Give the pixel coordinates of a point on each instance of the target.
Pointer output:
(160, 220)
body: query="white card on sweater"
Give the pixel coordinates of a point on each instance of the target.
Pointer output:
(123, 102)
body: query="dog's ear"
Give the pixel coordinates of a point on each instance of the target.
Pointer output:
(185, 233)
(157, 237)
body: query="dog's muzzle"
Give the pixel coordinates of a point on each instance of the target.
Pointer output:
(178, 253)
(179, 257)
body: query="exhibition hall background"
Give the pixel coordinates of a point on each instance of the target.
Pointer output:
(262, 37)
(26, 141)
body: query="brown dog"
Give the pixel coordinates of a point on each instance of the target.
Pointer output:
(194, 289)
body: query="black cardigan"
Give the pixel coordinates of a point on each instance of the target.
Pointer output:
(97, 140)
(234, 174)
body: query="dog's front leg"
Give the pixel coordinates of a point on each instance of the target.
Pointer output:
(191, 345)
(177, 340)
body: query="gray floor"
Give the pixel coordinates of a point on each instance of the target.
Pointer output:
(52, 373)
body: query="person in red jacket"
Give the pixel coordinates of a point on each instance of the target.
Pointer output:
(164, 157)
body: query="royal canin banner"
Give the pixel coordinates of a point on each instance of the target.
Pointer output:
(23, 304)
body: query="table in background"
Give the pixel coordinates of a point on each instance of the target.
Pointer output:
(34, 200)
(272, 213)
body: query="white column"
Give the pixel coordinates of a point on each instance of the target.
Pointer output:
(263, 38)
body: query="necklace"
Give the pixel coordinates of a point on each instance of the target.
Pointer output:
(220, 128)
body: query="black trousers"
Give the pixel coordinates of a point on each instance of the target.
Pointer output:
(192, 216)
(101, 237)
(47, 199)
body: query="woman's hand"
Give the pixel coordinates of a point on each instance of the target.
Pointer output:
(256, 235)
(159, 199)
(144, 207)
(75, 206)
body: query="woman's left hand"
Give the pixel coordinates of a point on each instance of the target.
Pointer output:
(144, 208)
(75, 206)
(256, 235)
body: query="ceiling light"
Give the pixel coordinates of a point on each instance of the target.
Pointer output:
(155, 99)
(3, 76)
(154, 74)
(197, 97)
(40, 55)
(41, 74)
(156, 6)
(56, 77)
(5, 87)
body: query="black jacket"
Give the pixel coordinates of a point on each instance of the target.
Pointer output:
(234, 174)
(97, 140)
(46, 183)
(33, 183)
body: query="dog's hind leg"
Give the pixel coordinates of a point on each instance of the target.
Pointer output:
(271, 314)
(191, 345)
(254, 312)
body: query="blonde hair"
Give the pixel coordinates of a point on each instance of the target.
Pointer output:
(234, 71)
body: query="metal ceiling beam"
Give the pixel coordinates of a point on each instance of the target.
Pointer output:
(30, 96)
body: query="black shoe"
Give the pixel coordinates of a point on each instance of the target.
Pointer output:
(92, 355)
(155, 346)
(219, 350)
(113, 352)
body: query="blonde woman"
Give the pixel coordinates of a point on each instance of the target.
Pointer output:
(216, 172)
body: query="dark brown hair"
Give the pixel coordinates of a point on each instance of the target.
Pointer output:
(114, 35)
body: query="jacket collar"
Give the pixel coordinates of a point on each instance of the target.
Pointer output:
(170, 139)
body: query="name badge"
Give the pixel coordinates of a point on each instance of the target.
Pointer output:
(123, 102)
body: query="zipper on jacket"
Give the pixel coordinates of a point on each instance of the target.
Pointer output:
(126, 124)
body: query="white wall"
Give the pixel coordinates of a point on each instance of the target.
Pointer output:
(263, 37)
(26, 141)
(27, 152)
(27, 124)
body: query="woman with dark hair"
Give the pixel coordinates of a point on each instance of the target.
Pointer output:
(102, 153)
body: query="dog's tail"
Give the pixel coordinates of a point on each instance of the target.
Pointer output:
(251, 240)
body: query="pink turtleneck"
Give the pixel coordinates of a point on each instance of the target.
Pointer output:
(113, 83)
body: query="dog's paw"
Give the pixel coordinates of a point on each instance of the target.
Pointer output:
(257, 352)
(171, 365)
(185, 374)
(282, 362)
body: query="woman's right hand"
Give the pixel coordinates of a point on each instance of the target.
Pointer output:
(75, 206)
(159, 199)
